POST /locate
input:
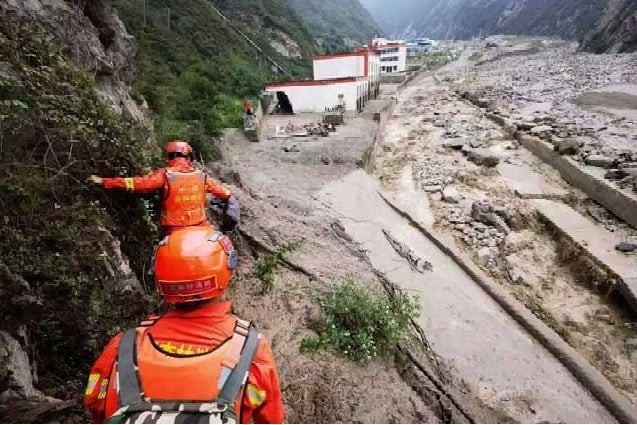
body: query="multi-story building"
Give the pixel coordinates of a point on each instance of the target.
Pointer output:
(393, 54)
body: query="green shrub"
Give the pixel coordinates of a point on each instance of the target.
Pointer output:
(361, 321)
(196, 73)
(268, 265)
(55, 131)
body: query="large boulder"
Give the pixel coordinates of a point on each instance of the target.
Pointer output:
(483, 157)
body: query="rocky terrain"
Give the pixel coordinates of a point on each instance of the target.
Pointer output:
(604, 25)
(459, 129)
(583, 104)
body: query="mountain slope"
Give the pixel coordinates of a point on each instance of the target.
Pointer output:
(615, 20)
(617, 31)
(195, 69)
(468, 18)
(337, 21)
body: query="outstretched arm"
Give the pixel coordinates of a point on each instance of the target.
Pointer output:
(139, 184)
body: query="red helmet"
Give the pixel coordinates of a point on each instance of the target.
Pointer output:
(180, 148)
(193, 264)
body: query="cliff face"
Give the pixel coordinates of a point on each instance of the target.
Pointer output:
(96, 40)
(463, 19)
(617, 30)
(69, 256)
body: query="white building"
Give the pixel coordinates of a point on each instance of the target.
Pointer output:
(351, 78)
(393, 54)
(317, 95)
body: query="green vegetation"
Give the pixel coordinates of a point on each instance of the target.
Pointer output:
(434, 60)
(361, 321)
(337, 23)
(269, 265)
(195, 71)
(54, 132)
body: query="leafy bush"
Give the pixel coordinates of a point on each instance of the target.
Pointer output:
(268, 265)
(361, 321)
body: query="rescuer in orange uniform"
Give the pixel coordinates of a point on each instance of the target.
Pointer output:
(184, 190)
(193, 360)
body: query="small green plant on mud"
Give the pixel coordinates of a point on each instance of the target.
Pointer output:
(268, 265)
(361, 321)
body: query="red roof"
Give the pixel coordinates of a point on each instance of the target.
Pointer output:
(338, 55)
(305, 83)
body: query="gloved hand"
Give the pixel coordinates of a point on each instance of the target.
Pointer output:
(231, 215)
(95, 180)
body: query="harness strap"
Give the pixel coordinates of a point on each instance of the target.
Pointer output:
(129, 387)
(239, 374)
(245, 340)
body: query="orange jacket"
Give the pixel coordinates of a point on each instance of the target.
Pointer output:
(157, 181)
(185, 332)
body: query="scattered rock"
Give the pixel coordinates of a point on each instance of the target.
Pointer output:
(483, 212)
(631, 344)
(615, 174)
(600, 161)
(567, 147)
(488, 256)
(432, 189)
(451, 195)
(466, 149)
(439, 123)
(292, 148)
(517, 241)
(526, 125)
(514, 275)
(626, 247)
(541, 129)
(483, 157)
(456, 144)
(475, 143)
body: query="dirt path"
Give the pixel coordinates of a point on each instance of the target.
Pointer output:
(279, 204)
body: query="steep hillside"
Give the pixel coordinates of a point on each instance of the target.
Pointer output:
(69, 254)
(467, 18)
(602, 24)
(195, 69)
(617, 31)
(335, 23)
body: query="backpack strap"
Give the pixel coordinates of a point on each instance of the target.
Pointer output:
(239, 374)
(130, 390)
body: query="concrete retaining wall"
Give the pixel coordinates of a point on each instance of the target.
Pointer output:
(369, 159)
(620, 203)
(616, 403)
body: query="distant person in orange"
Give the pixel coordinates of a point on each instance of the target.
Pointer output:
(247, 107)
(184, 189)
(189, 365)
